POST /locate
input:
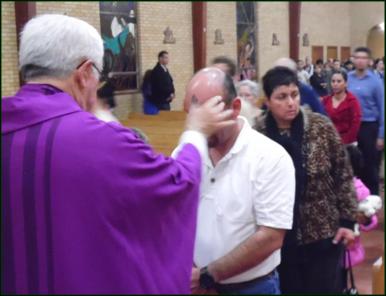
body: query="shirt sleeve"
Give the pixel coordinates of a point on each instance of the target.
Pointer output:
(356, 114)
(195, 138)
(275, 194)
(379, 96)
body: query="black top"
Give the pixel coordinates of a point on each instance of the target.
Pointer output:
(161, 85)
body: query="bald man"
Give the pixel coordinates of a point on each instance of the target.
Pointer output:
(246, 200)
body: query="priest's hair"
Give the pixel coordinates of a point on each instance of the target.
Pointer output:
(53, 45)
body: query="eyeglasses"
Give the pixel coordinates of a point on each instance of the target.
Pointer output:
(100, 74)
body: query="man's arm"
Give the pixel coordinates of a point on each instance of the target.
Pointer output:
(248, 254)
(379, 96)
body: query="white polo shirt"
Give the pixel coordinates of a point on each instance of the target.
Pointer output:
(253, 185)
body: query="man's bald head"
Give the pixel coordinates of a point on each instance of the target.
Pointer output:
(286, 62)
(207, 83)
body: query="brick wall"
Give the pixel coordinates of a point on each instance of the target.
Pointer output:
(272, 18)
(364, 16)
(332, 27)
(9, 57)
(154, 17)
(87, 11)
(221, 15)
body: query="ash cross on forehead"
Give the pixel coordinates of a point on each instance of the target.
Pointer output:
(194, 99)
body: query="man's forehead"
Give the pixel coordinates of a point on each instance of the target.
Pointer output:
(206, 84)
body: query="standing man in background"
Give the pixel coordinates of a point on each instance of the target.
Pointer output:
(162, 83)
(368, 89)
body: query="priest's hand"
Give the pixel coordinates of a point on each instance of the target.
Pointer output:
(209, 117)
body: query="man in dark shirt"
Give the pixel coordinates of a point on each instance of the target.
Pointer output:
(162, 83)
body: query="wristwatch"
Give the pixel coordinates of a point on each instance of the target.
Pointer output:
(206, 279)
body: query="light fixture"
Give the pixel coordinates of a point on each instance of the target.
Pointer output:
(382, 26)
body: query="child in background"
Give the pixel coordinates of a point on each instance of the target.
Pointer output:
(366, 222)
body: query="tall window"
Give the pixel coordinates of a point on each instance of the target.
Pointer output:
(119, 33)
(246, 40)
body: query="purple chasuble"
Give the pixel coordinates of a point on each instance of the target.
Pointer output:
(87, 206)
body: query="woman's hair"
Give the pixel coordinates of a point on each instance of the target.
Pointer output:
(53, 45)
(253, 86)
(276, 77)
(356, 159)
(343, 73)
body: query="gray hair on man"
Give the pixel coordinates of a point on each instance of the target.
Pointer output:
(54, 45)
(253, 87)
(286, 62)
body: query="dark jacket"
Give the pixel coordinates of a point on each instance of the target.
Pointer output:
(161, 85)
(316, 82)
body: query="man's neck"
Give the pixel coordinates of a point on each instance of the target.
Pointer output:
(217, 153)
(360, 72)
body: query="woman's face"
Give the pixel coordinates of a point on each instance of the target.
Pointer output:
(284, 104)
(338, 83)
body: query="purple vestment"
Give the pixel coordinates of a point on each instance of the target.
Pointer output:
(87, 207)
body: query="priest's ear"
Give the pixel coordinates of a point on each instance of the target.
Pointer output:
(83, 74)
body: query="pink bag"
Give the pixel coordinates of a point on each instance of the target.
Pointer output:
(357, 253)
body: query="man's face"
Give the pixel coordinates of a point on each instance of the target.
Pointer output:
(336, 65)
(245, 92)
(164, 59)
(300, 65)
(361, 60)
(204, 85)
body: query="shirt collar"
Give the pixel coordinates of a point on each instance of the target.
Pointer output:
(240, 143)
(35, 103)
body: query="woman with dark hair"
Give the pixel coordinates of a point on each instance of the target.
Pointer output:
(325, 201)
(343, 108)
(148, 106)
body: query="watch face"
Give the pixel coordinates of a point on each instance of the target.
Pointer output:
(206, 280)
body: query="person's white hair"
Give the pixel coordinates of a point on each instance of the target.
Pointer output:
(253, 87)
(53, 45)
(286, 62)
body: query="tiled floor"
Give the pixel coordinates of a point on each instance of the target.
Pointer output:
(374, 244)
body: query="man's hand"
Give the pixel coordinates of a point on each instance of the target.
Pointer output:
(209, 117)
(380, 144)
(195, 278)
(344, 234)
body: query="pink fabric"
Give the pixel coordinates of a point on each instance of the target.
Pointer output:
(357, 252)
(373, 224)
(361, 189)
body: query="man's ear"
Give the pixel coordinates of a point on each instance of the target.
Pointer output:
(236, 106)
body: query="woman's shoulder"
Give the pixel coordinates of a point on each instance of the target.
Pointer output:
(317, 122)
(260, 124)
